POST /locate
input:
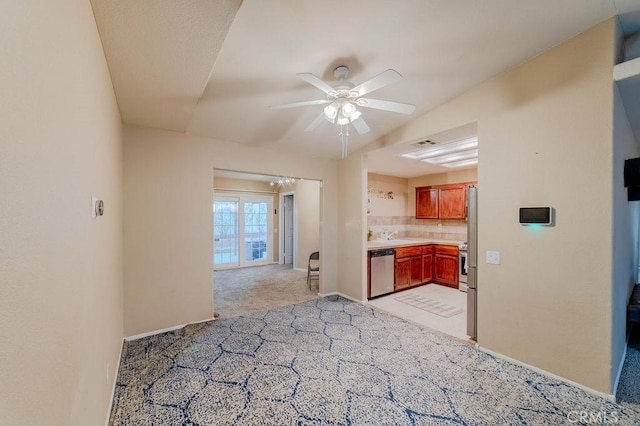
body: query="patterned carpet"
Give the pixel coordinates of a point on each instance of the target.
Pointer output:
(330, 361)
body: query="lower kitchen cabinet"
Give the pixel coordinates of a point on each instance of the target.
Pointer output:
(416, 270)
(402, 274)
(421, 264)
(427, 267)
(446, 265)
(446, 270)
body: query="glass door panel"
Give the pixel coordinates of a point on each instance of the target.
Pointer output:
(255, 231)
(242, 231)
(225, 232)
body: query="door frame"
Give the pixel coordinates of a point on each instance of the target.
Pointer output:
(281, 227)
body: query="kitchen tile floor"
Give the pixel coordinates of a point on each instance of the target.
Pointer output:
(455, 326)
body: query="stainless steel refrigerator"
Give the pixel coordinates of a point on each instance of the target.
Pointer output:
(472, 262)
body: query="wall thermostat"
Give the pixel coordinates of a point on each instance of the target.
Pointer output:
(536, 216)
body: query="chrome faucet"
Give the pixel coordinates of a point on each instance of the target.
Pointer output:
(386, 235)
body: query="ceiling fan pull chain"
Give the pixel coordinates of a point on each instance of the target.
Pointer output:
(345, 140)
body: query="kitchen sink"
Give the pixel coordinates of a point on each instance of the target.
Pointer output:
(394, 241)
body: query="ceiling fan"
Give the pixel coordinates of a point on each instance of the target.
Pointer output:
(343, 99)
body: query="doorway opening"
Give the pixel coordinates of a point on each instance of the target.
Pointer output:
(417, 193)
(264, 229)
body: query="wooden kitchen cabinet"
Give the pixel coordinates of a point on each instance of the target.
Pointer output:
(424, 263)
(413, 266)
(408, 267)
(442, 201)
(416, 270)
(427, 267)
(446, 265)
(452, 202)
(426, 202)
(402, 274)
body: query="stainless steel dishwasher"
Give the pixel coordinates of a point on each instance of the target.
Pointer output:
(381, 271)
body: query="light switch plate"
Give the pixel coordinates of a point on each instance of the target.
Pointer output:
(493, 257)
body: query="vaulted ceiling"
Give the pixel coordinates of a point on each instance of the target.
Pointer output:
(213, 67)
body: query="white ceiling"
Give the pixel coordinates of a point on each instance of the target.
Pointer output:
(213, 68)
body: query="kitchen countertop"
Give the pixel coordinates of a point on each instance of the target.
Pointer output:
(406, 242)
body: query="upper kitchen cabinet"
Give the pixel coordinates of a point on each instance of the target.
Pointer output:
(427, 202)
(452, 202)
(442, 201)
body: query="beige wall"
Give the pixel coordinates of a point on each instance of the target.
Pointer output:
(545, 138)
(379, 203)
(168, 226)
(225, 186)
(61, 270)
(307, 199)
(351, 248)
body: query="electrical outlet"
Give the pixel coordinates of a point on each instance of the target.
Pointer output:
(493, 257)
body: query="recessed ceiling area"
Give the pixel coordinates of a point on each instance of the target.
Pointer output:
(391, 162)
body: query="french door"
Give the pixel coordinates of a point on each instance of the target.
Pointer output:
(242, 231)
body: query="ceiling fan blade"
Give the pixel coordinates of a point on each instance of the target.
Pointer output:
(297, 104)
(315, 123)
(400, 107)
(383, 79)
(312, 79)
(360, 126)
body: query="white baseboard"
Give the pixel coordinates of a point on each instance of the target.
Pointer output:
(607, 396)
(337, 293)
(624, 357)
(164, 330)
(617, 380)
(300, 269)
(113, 385)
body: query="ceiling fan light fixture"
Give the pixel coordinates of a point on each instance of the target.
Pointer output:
(343, 99)
(348, 109)
(330, 112)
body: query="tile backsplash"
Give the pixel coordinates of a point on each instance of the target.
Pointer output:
(410, 227)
